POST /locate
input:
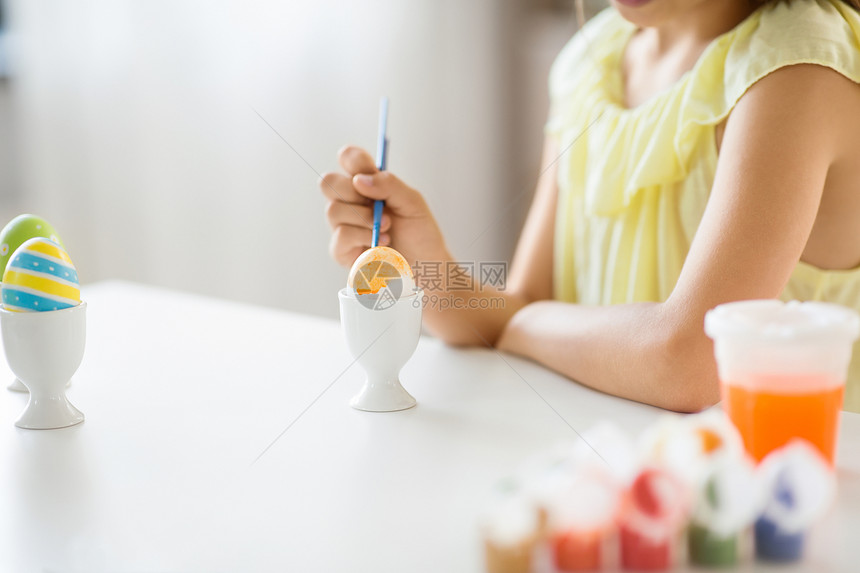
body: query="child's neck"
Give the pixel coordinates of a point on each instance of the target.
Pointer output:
(698, 26)
(657, 56)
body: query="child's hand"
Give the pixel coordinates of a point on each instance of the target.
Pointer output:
(407, 223)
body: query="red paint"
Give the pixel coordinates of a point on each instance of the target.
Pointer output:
(577, 550)
(643, 553)
(654, 508)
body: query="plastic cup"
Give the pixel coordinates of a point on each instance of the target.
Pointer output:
(798, 489)
(581, 520)
(728, 500)
(782, 369)
(651, 519)
(511, 531)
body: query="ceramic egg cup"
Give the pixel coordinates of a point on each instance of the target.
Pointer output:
(17, 386)
(44, 350)
(381, 341)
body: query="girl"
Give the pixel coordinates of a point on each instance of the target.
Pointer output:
(697, 152)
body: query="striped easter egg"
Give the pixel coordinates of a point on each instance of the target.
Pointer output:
(40, 276)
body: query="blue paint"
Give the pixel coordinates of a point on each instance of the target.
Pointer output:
(40, 264)
(29, 301)
(772, 544)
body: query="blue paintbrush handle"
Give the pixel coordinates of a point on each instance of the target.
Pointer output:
(381, 164)
(377, 219)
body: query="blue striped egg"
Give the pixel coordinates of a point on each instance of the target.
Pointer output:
(40, 276)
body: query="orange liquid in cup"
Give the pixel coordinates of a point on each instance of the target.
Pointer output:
(771, 410)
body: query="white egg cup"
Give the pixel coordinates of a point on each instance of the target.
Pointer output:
(381, 341)
(17, 386)
(44, 350)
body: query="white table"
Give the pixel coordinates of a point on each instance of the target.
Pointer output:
(182, 393)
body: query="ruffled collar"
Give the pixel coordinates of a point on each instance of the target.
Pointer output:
(631, 149)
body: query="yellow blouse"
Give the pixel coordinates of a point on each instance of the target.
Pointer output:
(633, 183)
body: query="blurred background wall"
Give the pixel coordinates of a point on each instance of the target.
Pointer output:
(133, 127)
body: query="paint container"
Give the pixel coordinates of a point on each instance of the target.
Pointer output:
(727, 502)
(798, 488)
(511, 530)
(582, 520)
(653, 512)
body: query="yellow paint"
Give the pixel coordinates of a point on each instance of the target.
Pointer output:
(42, 285)
(51, 250)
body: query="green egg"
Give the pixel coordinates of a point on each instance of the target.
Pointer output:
(20, 229)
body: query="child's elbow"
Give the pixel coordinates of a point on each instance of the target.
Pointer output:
(691, 403)
(461, 338)
(688, 373)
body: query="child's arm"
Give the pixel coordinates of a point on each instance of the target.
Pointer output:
(454, 315)
(779, 144)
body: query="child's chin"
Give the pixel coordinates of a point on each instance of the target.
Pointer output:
(644, 13)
